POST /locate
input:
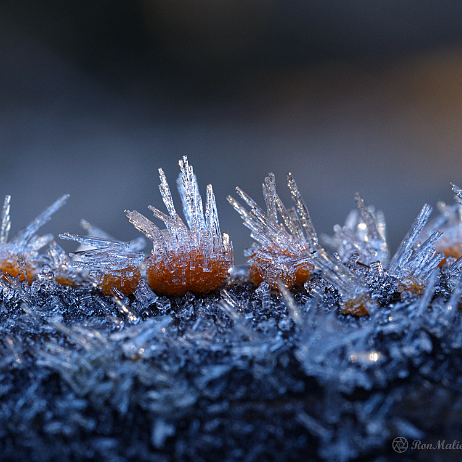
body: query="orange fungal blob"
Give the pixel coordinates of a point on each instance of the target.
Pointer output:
(10, 265)
(290, 267)
(357, 306)
(193, 256)
(126, 280)
(412, 285)
(453, 249)
(183, 272)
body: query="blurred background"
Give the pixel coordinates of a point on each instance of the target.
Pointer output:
(351, 96)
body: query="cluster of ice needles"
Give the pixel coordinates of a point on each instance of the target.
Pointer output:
(322, 348)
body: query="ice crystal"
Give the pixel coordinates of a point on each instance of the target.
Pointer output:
(289, 252)
(113, 263)
(194, 256)
(61, 265)
(20, 257)
(363, 233)
(449, 222)
(412, 263)
(366, 270)
(284, 250)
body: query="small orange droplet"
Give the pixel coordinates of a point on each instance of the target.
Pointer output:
(10, 266)
(290, 267)
(357, 306)
(187, 271)
(126, 280)
(453, 249)
(65, 281)
(413, 285)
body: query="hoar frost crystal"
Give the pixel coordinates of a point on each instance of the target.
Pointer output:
(194, 257)
(284, 251)
(20, 256)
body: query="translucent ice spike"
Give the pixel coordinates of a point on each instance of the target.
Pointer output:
(190, 197)
(405, 249)
(364, 233)
(269, 193)
(291, 220)
(97, 242)
(166, 194)
(23, 237)
(6, 223)
(428, 293)
(368, 219)
(424, 260)
(302, 212)
(453, 302)
(211, 219)
(284, 251)
(457, 192)
(291, 305)
(375, 226)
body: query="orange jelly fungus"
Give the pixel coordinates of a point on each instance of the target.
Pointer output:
(291, 269)
(450, 250)
(193, 257)
(356, 306)
(412, 285)
(65, 281)
(126, 280)
(183, 272)
(11, 266)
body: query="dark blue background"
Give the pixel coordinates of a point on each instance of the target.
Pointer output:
(95, 96)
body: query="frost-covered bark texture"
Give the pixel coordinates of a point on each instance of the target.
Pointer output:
(247, 374)
(334, 369)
